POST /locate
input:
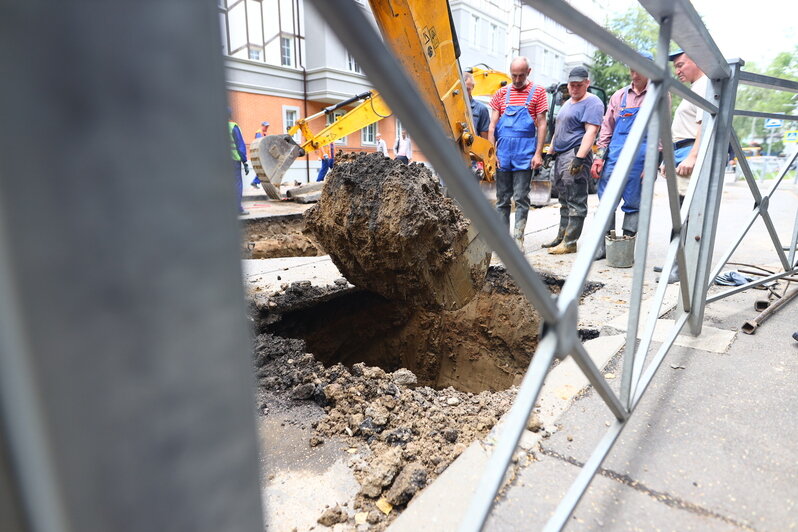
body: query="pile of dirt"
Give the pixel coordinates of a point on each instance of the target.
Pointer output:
(273, 237)
(389, 229)
(406, 435)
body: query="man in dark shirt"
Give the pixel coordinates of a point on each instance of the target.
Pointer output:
(479, 112)
(574, 133)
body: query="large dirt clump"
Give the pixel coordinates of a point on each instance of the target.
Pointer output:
(389, 229)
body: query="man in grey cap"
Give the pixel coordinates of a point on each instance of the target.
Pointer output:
(572, 146)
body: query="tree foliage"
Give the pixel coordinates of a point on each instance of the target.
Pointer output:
(636, 28)
(784, 65)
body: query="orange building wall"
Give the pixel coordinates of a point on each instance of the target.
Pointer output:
(249, 110)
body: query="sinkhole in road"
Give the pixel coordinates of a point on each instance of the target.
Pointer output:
(486, 345)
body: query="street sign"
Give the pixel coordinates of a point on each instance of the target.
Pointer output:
(772, 122)
(791, 136)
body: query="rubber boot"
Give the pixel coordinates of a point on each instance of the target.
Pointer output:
(673, 277)
(630, 220)
(518, 233)
(572, 234)
(601, 252)
(560, 233)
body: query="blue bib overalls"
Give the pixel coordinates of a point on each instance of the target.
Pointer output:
(515, 146)
(515, 135)
(623, 125)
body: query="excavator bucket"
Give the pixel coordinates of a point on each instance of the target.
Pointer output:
(271, 156)
(540, 189)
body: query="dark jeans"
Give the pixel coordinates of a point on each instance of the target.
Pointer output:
(572, 189)
(403, 159)
(513, 185)
(238, 185)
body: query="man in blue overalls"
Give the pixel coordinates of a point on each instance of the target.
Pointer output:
(518, 119)
(621, 113)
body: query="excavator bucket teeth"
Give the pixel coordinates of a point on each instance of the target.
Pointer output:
(271, 157)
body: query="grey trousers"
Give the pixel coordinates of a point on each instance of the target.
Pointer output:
(513, 186)
(572, 189)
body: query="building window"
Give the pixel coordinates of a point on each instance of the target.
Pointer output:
(475, 30)
(368, 135)
(334, 117)
(255, 54)
(352, 64)
(494, 38)
(290, 117)
(286, 51)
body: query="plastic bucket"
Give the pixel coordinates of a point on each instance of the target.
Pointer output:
(620, 251)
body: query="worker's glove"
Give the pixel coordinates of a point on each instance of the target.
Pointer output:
(576, 165)
(547, 159)
(246, 168)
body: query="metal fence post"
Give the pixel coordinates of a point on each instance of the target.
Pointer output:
(126, 391)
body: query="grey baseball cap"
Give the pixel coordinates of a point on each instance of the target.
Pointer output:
(578, 74)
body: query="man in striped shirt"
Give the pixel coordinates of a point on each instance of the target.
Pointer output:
(517, 128)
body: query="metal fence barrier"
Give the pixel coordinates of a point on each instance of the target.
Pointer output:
(697, 216)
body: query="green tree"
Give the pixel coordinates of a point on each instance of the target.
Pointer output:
(636, 28)
(749, 129)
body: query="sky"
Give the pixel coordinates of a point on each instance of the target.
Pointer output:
(752, 30)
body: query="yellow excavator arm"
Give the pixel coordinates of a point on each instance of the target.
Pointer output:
(372, 109)
(421, 34)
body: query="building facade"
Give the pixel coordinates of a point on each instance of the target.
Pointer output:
(283, 63)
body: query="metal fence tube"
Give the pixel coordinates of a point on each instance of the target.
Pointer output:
(782, 173)
(568, 503)
(602, 39)
(358, 35)
(794, 241)
(508, 434)
(593, 374)
(641, 248)
(691, 34)
(726, 256)
(651, 321)
(668, 159)
(685, 92)
(745, 168)
(709, 228)
(677, 215)
(651, 370)
(760, 114)
(752, 284)
(698, 174)
(768, 82)
(574, 284)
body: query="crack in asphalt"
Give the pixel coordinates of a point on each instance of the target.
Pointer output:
(660, 496)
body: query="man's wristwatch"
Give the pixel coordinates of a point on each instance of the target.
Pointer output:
(601, 153)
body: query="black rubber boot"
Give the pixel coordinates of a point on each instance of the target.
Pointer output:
(560, 233)
(630, 220)
(572, 234)
(601, 252)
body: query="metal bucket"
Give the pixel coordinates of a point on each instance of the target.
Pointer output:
(540, 188)
(620, 250)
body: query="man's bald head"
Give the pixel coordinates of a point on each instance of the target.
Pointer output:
(519, 72)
